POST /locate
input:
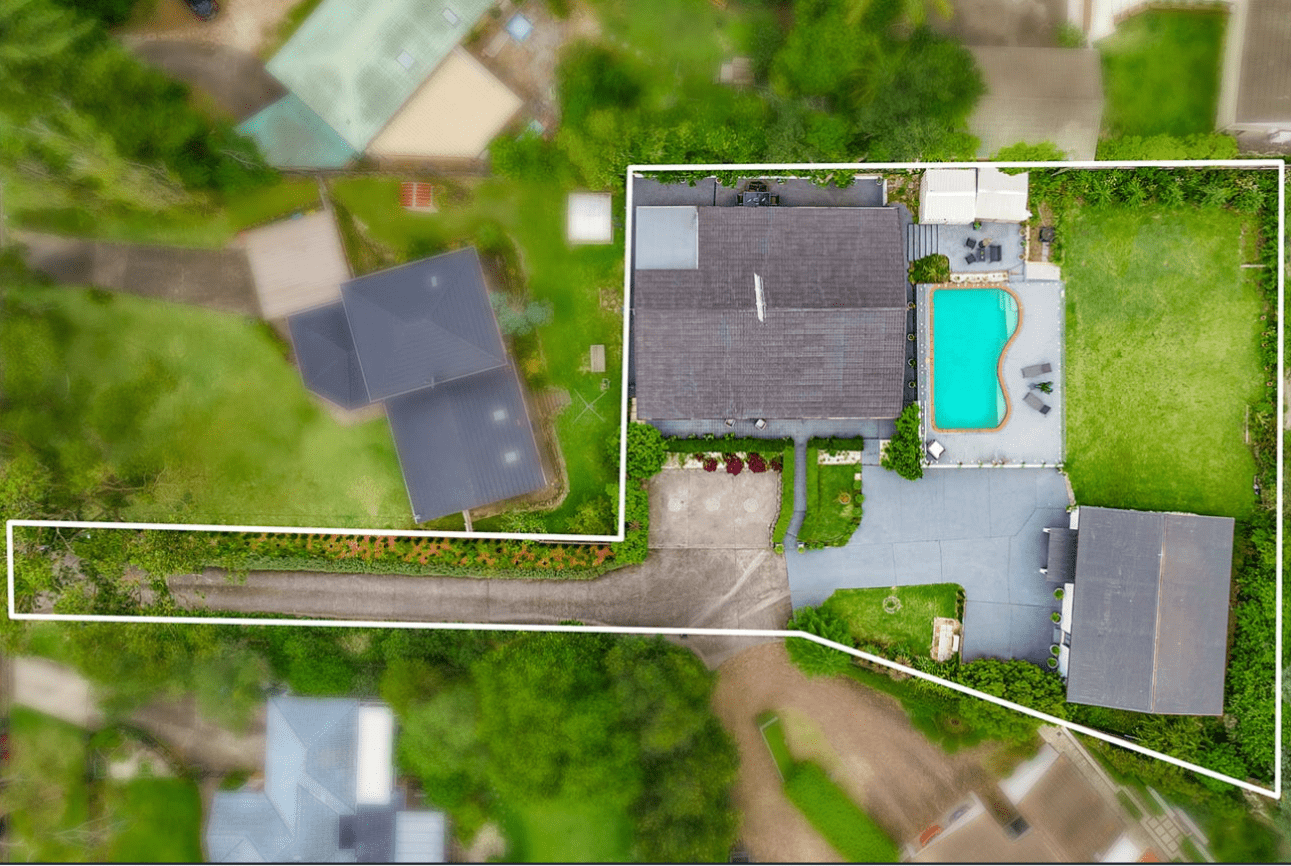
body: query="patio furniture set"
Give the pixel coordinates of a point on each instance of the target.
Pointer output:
(1031, 399)
(982, 251)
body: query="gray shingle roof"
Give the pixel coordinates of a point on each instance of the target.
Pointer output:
(831, 342)
(1060, 566)
(423, 323)
(465, 444)
(326, 357)
(1150, 611)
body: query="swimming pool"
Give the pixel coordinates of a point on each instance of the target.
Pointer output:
(970, 328)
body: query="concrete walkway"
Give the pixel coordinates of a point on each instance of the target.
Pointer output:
(217, 279)
(59, 691)
(979, 528)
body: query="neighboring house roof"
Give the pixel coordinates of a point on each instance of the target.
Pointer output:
(1149, 623)
(465, 443)
(356, 63)
(292, 135)
(960, 195)
(454, 114)
(768, 312)
(423, 337)
(1039, 94)
(328, 793)
(1256, 85)
(297, 263)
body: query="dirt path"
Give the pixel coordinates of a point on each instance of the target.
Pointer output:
(248, 25)
(861, 737)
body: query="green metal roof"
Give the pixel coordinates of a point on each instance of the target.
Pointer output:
(356, 63)
(292, 136)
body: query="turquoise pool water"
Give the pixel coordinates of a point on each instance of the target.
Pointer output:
(969, 330)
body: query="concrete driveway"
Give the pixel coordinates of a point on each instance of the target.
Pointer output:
(234, 79)
(691, 508)
(979, 528)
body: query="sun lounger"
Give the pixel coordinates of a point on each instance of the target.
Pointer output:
(1036, 403)
(1037, 370)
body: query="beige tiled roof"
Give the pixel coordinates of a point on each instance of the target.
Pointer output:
(297, 264)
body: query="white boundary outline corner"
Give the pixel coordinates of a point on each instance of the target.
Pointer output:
(1274, 792)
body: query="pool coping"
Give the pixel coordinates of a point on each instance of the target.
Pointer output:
(999, 363)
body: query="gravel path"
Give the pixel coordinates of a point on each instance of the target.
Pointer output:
(860, 736)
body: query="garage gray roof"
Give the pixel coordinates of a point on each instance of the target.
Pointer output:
(465, 444)
(423, 323)
(1060, 566)
(1150, 611)
(828, 343)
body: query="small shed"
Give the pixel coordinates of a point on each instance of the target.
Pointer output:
(588, 218)
(1001, 197)
(948, 196)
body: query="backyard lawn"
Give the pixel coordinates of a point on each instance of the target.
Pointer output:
(156, 821)
(568, 830)
(201, 408)
(1161, 73)
(833, 503)
(1162, 359)
(907, 629)
(582, 284)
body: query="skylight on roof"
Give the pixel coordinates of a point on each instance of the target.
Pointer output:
(511, 457)
(405, 60)
(450, 16)
(499, 415)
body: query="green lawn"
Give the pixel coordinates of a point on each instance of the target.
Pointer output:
(786, 497)
(833, 503)
(1161, 73)
(773, 735)
(567, 830)
(908, 630)
(158, 820)
(843, 824)
(46, 792)
(1161, 359)
(583, 285)
(201, 407)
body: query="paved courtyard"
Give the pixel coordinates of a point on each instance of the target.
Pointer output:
(1026, 436)
(979, 528)
(694, 508)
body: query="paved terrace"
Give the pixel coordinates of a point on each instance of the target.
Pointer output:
(1026, 435)
(979, 528)
(926, 239)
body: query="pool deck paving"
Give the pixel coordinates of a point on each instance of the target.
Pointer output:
(1026, 436)
(979, 528)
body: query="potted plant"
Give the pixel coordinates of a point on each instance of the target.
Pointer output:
(1051, 662)
(1045, 387)
(1057, 593)
(1056, 617)
(1053, 649)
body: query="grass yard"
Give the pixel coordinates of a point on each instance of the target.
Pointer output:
(773, 735)
(1161, 73)
(833, 503)
(907, 630)
(786, 498)
(157, 820)
(200, 408)
(45, 794)
(582, 284)
(843, 824)
(1162, 359)
(568, 830)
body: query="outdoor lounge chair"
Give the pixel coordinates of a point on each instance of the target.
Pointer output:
(1037, 370)
(970, 258)
(970, 243)
(1036, 403)
(996, 252)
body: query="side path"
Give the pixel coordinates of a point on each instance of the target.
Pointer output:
(746, 589)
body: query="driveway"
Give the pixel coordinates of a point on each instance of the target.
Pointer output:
(234, 79)
(217, 279)
(691, 508)
(979, 528)
(862, 737)
(248, 25)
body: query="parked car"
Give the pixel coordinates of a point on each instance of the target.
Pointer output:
(203, 9)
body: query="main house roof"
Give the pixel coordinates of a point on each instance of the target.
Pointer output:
(1149, 622)
(768, 312)
(423, 338)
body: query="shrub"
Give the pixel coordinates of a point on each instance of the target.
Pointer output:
(710, 464)
(645, 450)
(757, 463)
(777, 463)
(930, 269)
(904, 454)
(734, 465)
(813, 659)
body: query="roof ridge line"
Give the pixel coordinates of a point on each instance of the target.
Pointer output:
(1156, 629)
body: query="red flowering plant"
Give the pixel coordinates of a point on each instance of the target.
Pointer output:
(710, 464)
(757, 463)
(734, 465)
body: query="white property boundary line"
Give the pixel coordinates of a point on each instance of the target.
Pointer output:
(1275, 792)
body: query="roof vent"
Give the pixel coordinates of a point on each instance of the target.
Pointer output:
(499, 415)
(511, 457)
(757, 297)
(434, 280)
(450, 16)
(405, 60)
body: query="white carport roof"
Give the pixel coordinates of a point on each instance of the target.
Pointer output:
(1001, 197)
(947, 195)
(588, 218)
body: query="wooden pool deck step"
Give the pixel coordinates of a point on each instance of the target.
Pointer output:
(921, 239)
